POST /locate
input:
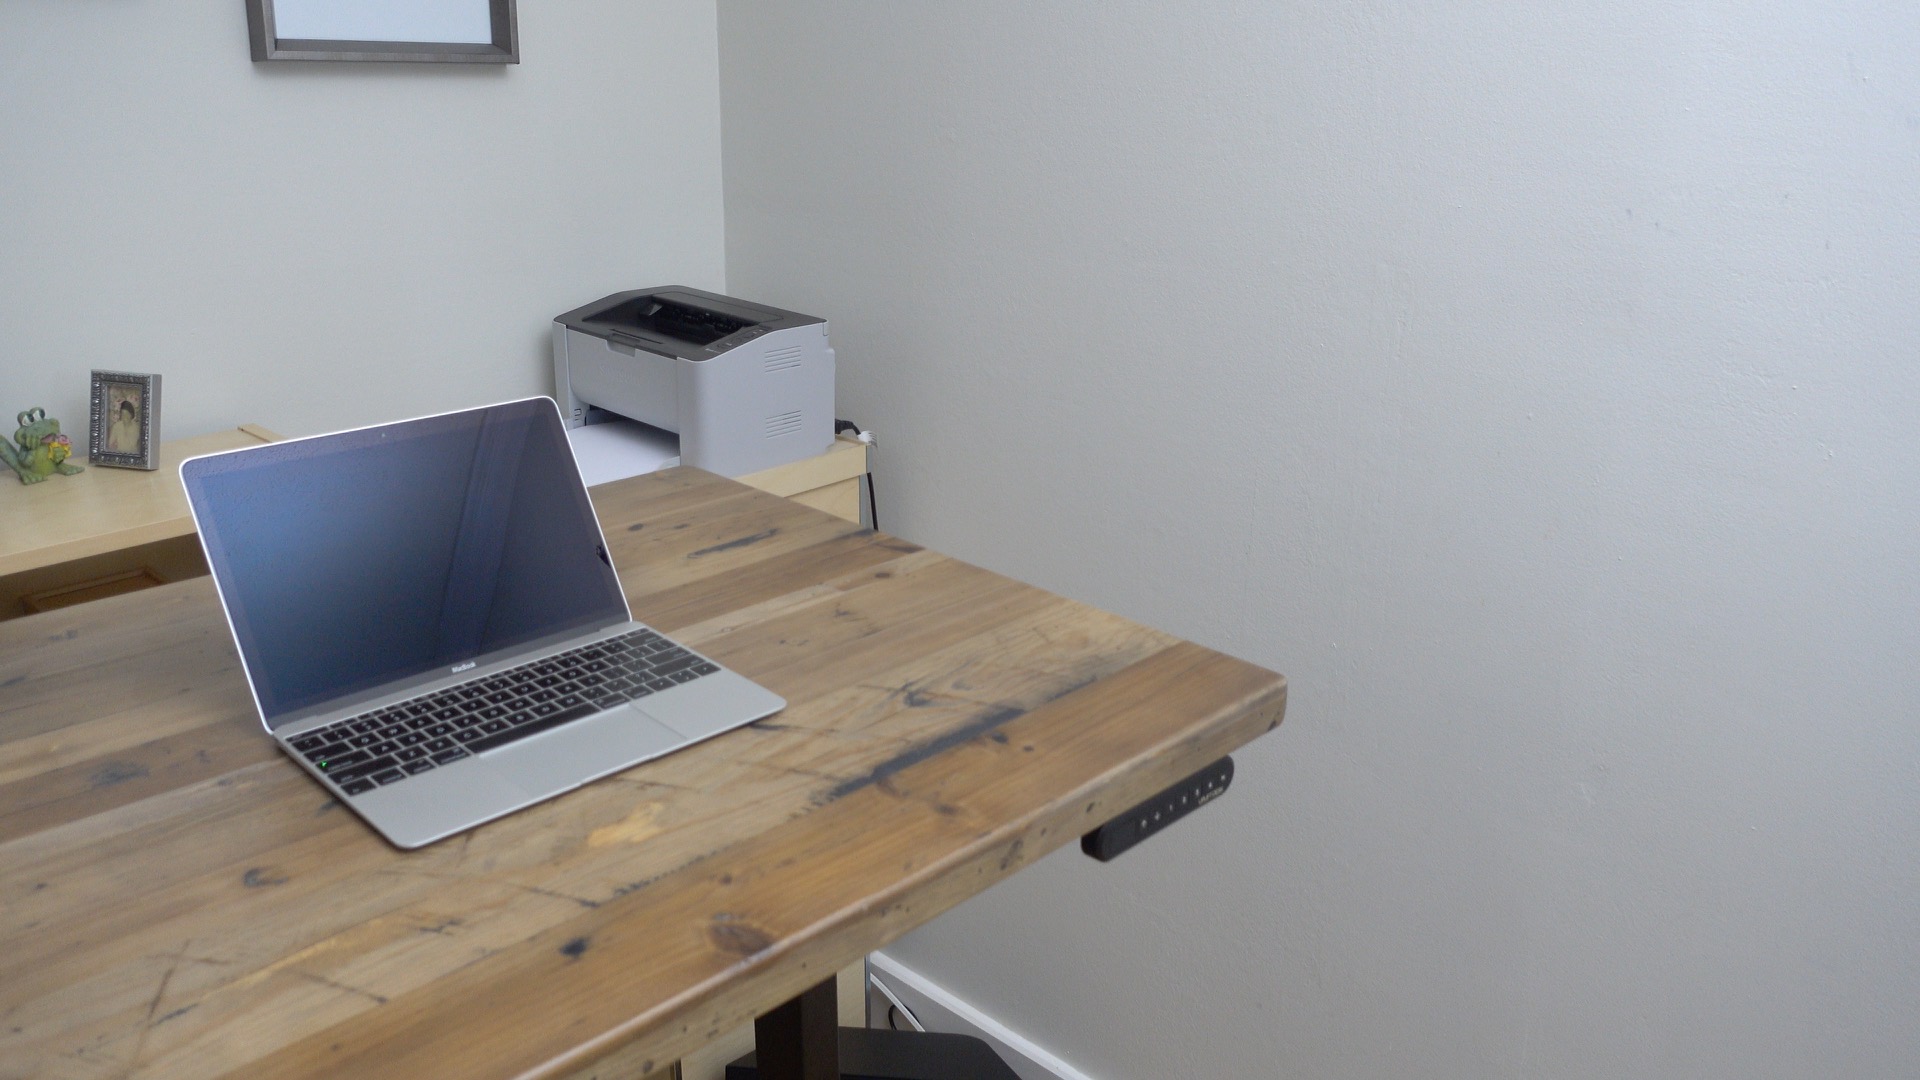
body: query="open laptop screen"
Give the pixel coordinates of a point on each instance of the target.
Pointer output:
(371, 557)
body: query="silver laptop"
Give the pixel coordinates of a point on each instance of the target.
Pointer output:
(430, 623)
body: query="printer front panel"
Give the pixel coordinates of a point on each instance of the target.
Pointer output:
(622, 379)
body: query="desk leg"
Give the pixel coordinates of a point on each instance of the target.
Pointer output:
(800, 1040)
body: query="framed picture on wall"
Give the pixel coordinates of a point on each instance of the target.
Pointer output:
(415, 31)
(124, 420)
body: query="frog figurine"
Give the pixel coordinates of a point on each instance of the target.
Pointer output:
(38, 449)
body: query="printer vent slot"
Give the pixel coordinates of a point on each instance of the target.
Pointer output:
(783, 424)
(783, 359)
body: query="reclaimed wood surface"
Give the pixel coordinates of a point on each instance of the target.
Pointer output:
(177, 899)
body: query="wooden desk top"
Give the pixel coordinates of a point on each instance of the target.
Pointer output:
(177, 899)
(103, 509)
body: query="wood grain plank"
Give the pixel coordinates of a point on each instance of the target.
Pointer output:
(104, 634)
(194, 754)
(672, 606)
(898, 846)
(646, 822)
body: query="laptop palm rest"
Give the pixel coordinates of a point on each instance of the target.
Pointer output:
(706, 707)
(568, 756)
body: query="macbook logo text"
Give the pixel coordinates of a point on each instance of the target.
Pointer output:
(458, 668)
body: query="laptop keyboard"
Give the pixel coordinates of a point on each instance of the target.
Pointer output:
(387, 745)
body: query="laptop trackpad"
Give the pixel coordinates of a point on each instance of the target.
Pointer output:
(568, 756)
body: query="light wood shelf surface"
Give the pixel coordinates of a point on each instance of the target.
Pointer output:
(102, 510)
(829, 481)
(845, 460)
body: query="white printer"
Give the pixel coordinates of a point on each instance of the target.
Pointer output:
(745, 386)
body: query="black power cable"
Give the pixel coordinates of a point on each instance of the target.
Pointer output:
(841, 427)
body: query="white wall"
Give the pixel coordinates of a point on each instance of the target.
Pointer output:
(1536, 386)
(313, 246)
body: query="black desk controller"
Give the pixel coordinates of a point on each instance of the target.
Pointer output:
(1176, 802)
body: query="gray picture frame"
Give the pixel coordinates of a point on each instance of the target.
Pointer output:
(100, 449)
(504, 48)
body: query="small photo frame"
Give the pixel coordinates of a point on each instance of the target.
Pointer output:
(124, 428)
